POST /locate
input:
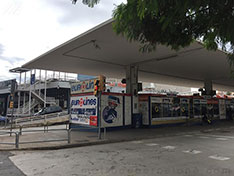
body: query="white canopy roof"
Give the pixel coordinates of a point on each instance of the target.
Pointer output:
(101, 51)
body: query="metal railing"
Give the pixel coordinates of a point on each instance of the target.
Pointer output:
(19, 133)
(99, 135)
(16, 143)
(44, 118)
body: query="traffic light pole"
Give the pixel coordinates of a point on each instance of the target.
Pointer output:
(12, 112)
(13, 86)
(99, 116)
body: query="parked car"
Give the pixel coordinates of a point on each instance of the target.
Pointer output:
(3, 119)
(49, 110)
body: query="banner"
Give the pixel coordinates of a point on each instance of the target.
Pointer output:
(84, 110)
(82, 87)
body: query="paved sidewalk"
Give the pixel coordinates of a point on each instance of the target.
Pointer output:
(85, 138)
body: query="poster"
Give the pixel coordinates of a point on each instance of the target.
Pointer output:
(84, 110)
(111, 110)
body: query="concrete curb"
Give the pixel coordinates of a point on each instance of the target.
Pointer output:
(108, 141)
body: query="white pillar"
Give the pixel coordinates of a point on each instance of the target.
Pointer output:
(30, 93)
(45, 89)
(132, 85)
(19, 94)
(40, 83)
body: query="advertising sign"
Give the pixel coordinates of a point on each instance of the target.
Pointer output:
(82, 87)
(111, 110)
(84, 110)
(7, 84)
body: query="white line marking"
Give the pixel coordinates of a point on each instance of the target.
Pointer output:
(222, 139)
(137, 142)
(151, 144)
(192, 151)
(169, 147)
(1, 162)
(217, 157)
(220, 136)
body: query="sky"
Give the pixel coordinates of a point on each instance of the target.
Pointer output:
(29, 28)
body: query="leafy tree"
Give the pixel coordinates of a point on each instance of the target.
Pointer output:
(90, 3)
(176, 23)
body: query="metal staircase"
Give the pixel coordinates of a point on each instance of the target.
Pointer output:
(37, 98)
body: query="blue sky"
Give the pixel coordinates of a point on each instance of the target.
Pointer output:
(29, 28)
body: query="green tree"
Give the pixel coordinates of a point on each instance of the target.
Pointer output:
(176, 23)
(90, 3)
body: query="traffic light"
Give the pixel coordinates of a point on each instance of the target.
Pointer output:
(99, 84)
(102, 83)
(96, 87)
(11, 104)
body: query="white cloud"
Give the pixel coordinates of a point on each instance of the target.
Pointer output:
(31, 27)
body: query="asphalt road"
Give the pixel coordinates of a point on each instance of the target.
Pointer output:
(7, 168)
(200, 153)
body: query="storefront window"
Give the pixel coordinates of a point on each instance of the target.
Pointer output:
(156, 110)
(167, 110)
(184, 110)
(197, 109)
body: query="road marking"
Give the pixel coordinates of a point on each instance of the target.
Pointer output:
(169, 147)
(217, 157)
(222, 139)
(151, 144)
(192, 151)
(220, 136)
(1, 162)
(137, 142)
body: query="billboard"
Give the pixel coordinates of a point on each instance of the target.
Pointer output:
(82, 87)
(6, 84)
(84, 110)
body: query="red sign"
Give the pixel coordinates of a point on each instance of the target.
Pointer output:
(93, 121)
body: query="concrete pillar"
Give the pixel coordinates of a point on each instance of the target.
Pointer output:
(30, 93)
(19, 94)
(45, 88)
(25, 77)
(132, 85)
(208, 87)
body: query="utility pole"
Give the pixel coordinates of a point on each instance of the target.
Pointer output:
(13, 87)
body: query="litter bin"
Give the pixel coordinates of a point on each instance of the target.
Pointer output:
(136, 120)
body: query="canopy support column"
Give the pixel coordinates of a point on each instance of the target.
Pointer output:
(132, 84)
(208, 87)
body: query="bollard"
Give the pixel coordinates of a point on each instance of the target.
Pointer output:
(69, 136)
(17, 140)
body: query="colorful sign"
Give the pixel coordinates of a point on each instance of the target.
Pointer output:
(112, 110)
(84, 110)
(82, 87)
